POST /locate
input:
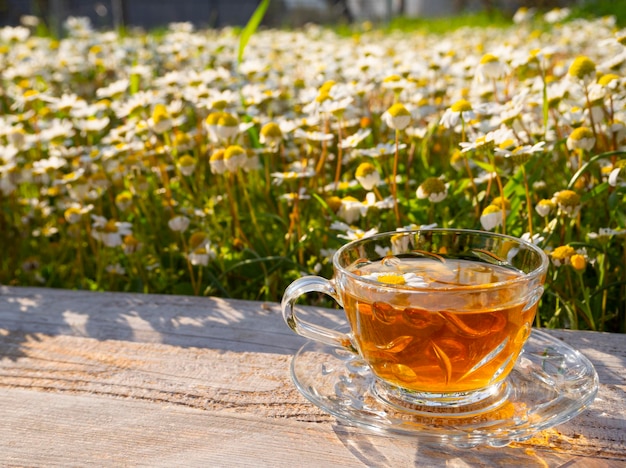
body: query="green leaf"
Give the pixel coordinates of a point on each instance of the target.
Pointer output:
(595, 191)
(134, 83)
(546, 104)
(251, 27)
(486, 166)
(588, 164)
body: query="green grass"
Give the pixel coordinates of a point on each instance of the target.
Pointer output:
(599, 8)
(494, 19)
(442, 25)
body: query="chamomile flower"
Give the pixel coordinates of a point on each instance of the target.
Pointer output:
(298, 172)
(352, 141)
(109, 232)
(556, 15)
(124, 200)
(380, 150)
(271, 134)
(581, 138)
(561, 255)
(351, 209)
(618, 170)
(490, 68)
(491, 217)
(460, 110)
(161, 121)
(222, 126)
(74, 213)
(216, 162)
(396, 278)
(521, 154)
(313, 136)
(187, 165)
(179, 223)
(397, 117)
(92, 124)
(523, 15)
(568, 202)
(290, 197)
(536, 238)
(575, 116)
(367, 175)
(201, 251)
(131, 244)
(352, 233)
(115, 269)
(582, 69)
(545, 207)
(434, 189)
(606, 233)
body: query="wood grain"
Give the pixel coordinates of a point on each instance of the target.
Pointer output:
(125, 379)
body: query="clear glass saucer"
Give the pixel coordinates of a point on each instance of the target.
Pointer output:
(550, 384)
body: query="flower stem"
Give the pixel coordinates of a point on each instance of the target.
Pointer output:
(528, 202)
(394, 183)
(339, 155)
(586, 307)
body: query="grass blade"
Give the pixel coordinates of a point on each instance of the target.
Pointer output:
(251, 27)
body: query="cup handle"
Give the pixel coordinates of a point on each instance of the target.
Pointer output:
(304, 285)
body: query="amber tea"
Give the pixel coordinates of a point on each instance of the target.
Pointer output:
(427, 342)
(439, 316)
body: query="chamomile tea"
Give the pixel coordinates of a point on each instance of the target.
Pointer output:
(438, 325)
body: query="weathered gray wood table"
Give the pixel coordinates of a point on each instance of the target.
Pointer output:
(101, 379)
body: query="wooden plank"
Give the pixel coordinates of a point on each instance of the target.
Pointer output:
(111, 375)
(48, 429)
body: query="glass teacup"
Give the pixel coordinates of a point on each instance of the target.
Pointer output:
(440, 316)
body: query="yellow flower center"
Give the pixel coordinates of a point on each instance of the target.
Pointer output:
(491, 209)
(131, 241)
(365, 169)
(217, 155)
(227, 120)
(219, 104)
(187, 160)
(160, 113)
(462, 105)
(271, 130)
(488, 58)
(326, 87)
(123, 197)
(213, 118)
(433, 185)
(581, 133)
(110, 226)
(501, 202)
(607, 79)
(582, 67)
(197, 239)
(568, 198)
(333, 202)
(323, 96)
(392, 79)
(398, 110)
(563, 252)
(233, 151)
(391, 278)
